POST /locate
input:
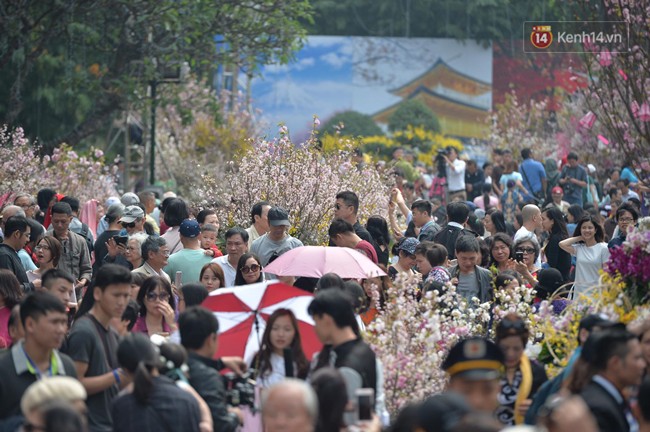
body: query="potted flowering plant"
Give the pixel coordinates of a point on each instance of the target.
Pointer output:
(630, 263)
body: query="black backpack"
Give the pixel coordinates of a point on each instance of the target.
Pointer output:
(85, 230)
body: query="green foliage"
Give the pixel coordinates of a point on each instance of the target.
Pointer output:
(67, 68)
(354, 124)
(480, 20)
(413, 113)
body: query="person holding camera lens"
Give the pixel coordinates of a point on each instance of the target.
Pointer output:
(199, 335)
(155, 402)
(455, 171)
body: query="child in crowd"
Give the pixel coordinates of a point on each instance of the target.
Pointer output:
(439, 259)
(209, 240)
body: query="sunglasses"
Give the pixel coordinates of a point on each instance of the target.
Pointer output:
(28, 427)
(152, 296)
(248, 269)
(512, 325)
(128, 225)
(529, 251)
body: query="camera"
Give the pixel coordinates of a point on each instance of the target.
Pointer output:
(519, 256)
(240, 390)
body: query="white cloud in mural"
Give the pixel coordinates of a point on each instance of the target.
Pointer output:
(335, 59)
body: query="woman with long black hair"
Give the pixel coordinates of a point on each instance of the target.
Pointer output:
(554, 224)
(281, 332)
(155, 402)
(378, 229)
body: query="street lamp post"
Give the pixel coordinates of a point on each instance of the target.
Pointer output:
(152, 134)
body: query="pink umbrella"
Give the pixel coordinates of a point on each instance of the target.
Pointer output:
(315, 261)
(242, 312)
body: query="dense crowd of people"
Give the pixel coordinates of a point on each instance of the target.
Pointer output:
(102, 327)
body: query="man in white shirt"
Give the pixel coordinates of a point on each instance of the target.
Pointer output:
(532, 220)
(455, 176)
(259, 222)
(236, 246)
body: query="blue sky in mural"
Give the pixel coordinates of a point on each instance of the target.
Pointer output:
(333, 74)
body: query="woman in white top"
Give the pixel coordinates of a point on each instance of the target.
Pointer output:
(591, 253)
(281, 332)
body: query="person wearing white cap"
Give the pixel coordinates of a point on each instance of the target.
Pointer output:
(129, 199)
(103, 224)
(133, 220)
(591, 193)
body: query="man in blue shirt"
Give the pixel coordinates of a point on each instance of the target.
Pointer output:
(533, 173)
(573, 180)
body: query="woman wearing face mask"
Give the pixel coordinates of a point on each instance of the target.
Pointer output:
(591, 253)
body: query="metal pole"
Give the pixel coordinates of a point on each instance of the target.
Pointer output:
(152, 133)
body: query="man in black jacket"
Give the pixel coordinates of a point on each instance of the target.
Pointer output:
(457, 214)
(338, 330)
(198, 328)
(615, 354)
(17, 232)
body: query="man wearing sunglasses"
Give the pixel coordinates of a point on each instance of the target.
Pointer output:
(133, 220)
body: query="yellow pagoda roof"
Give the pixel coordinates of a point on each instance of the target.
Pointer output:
(442, 76)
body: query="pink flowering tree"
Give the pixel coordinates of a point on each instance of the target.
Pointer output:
(516, 125)
(412, 337)
(620, 78)
(301, 178)
(84, 176)
(573, 127)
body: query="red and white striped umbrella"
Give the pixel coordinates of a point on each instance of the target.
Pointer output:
(243, 311)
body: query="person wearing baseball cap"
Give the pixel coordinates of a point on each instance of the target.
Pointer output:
(191, 259)
(132, 220)
(277, 240)
(475, 366)
(557, 193)
(405, 250)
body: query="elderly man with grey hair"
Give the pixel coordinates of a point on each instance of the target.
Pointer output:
(290, 406)
(155, 253)
(7, 212)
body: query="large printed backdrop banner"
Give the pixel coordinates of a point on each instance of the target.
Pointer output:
(238, 308)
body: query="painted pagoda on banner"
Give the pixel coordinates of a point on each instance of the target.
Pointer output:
(461, 102)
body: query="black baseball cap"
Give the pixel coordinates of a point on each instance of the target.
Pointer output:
(278, 216)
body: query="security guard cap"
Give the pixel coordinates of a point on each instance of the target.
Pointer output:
(474, 358)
